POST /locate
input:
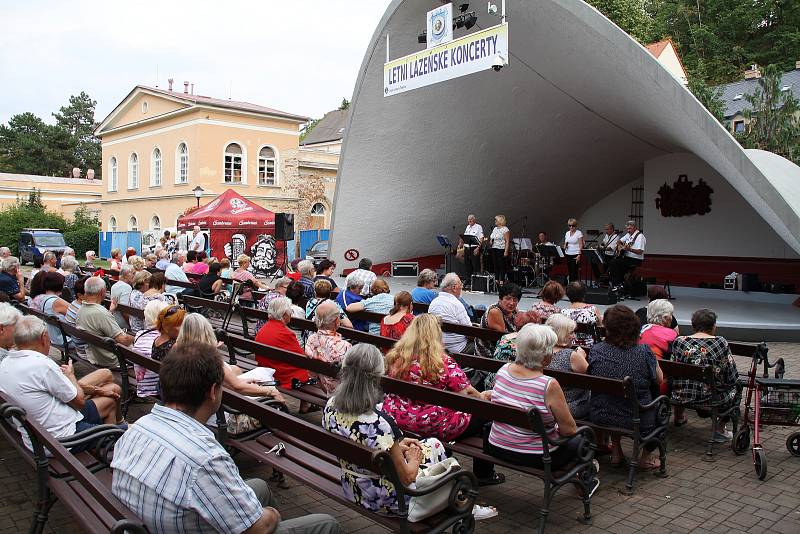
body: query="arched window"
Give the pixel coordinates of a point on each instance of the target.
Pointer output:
(182, 164)
(318, 209)
(112, 224)
(234, 163)
(155, 223)
(266, 166)
(133, 224)
(155, 167)
(112, 179)
(133, 171)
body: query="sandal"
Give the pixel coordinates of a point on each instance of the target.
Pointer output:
(483, 512)
(496, 478)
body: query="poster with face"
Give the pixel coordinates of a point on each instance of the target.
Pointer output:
(266, 256)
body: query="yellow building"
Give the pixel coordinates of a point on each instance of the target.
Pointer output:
(160, 145)
(62, 195)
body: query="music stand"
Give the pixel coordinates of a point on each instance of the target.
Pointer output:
(594, 256)
(550, 251)
(447, 245)
(470, 240)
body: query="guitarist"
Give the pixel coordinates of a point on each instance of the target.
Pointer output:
(630, 253)
(608, 248)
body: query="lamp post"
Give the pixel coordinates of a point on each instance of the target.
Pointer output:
(198, 192)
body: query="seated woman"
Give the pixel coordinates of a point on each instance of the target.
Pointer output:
(522, 384)
(70, 267)
(168, 325)
(115, 264)
(322, 293)
(147, 381)
(351, 294)
(191, 260)
(51, 303)
(704, 347)
(657, 333)
(325, 270)
(242, 274)
(201, 267)
(506, 349)
(380, 301)
(400, 316)
(619, 356)
(210, 283)
(551, 293)
(655, 293)
(581, 313)
(326, 344)
(419, 357)
(565, 358)
(499, 317)
(354, 412)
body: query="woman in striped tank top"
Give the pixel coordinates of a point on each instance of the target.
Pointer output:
(522, 384)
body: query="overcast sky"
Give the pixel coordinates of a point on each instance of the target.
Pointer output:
(300, 56)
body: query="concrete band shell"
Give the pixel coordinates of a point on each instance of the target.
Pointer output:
(574, 116)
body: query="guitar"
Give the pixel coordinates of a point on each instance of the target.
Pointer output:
(622, 248)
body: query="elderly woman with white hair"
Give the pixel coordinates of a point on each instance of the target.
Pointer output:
(658, 333)
(91, 255)
(326, 344)
(350, 295)
(522, 384)
(69, 268)
(307, 274)
(12, 282)
(565, 358)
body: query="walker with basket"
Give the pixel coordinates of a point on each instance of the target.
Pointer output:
(769, 401)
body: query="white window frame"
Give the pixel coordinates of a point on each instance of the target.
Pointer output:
(112, 224)
(243, 155)
(112, 175)
(324, 209)
(133, 171)
(156, 167)
(155, 227)
(135, 226)
(736, 123)
(179, 159)
(275, 166)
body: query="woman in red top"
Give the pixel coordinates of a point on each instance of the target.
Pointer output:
(275, 334)
(400, 316)
(658, 335)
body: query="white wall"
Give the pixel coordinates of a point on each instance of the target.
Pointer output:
(615, 208)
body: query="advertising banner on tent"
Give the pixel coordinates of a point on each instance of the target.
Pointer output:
(467, 55)
(266, 254)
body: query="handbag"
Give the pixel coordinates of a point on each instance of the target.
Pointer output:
(425, 506)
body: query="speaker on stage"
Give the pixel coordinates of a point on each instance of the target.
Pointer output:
(600, 296)
(284, 226)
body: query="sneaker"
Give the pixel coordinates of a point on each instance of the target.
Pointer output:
(483, 512)
(722, 437)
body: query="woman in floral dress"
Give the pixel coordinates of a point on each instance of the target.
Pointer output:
(581, 313)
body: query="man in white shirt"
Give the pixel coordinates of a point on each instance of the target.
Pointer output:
(633, 243)
(174, 272)
(121, 292)
(449, 308)
(608, 250)
(472, 253)
(50, 395)
(198, 240)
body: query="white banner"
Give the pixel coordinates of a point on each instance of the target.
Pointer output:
(472, 53)
(440, 25)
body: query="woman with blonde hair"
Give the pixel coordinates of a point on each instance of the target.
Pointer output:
(419, 357)
(565, 358)
(242, 274)
(500, 240)
(115, 264)
(137, 262)
(573, 245)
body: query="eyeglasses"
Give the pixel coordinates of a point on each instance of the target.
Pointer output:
(573, 225)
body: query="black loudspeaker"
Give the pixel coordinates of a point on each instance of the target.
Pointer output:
(284, 226)
(750, 282)
(600, 296)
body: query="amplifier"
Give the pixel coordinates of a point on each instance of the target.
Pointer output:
(601, 296)
(405, 268)
(483, 282)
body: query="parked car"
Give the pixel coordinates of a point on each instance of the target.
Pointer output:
(318, 251)
(34, 242)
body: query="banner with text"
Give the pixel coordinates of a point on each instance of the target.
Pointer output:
(472, 53)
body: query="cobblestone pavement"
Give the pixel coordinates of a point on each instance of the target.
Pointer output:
(722, 496)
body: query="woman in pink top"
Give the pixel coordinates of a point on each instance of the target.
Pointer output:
(419, 357)
(657, 333)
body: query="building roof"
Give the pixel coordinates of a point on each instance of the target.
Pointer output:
(329, 128)
(35, 178)
(657, 48)
(733, 93)
(222, 103)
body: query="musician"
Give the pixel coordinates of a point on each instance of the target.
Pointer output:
(500, 242)
(544, 263)
(543, 240)
(573, 244)
(472, 253)
(632, 247)
(607, 248)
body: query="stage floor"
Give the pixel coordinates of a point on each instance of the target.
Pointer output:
(742, 316)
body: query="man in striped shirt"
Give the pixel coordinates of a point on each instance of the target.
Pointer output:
(171, 472)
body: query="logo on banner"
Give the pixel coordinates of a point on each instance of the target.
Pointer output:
(239, 206)
(263, 253)
(440, 25)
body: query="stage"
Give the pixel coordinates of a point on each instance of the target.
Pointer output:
(752, 316)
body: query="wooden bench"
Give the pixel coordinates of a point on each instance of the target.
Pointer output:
(82, 482)
(311, 455)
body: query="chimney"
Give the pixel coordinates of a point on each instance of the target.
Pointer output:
(192, 89)
(752, 73)
(170, 81)
(185, 87)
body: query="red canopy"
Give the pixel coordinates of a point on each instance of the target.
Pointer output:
(228, 211)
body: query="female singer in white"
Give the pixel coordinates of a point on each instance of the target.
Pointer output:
(500, 239)
(573, 244)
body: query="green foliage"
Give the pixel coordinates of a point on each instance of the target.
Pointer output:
(77, 118)
(710, 97)
(307, 130)
(83, 239)
(630, 15)
(345, 104)
(772, 121)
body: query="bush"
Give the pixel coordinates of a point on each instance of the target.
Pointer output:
(82, 239)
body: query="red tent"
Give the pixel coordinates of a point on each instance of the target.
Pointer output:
(238, 226)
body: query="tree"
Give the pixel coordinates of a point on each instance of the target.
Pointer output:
(29, 146)
(345, 104)
(710, 97)
(772, 121)
(630, 15)
(307, 130)
(77, 118)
